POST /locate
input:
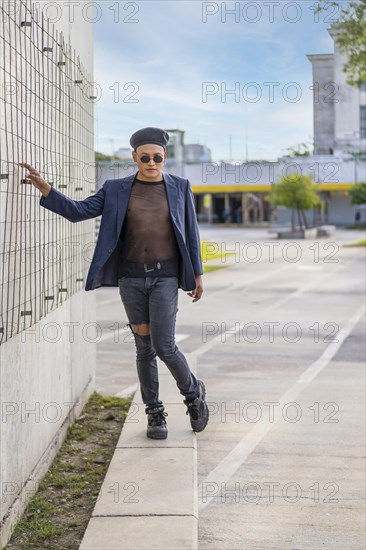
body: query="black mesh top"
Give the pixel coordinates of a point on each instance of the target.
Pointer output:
(147, 232)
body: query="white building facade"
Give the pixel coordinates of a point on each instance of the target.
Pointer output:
(339, 109)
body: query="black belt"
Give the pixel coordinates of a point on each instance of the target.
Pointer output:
(152, 266)
(139, 269)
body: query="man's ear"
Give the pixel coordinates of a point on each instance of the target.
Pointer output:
(134, 155)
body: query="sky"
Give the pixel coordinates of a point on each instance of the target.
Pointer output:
(172, 64)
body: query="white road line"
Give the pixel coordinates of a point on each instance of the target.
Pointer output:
(232, 331)
(237, 456)
(253, 280)
(312, 283)
(233, 286)
(212, 295)
(310, 268)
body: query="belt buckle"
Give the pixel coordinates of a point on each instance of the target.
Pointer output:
(147, 270)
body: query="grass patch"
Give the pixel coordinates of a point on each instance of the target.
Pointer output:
(361, 242)
(211, 251)
(58, 514)
(208, 268)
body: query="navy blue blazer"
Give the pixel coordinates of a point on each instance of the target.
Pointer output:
(111, 203)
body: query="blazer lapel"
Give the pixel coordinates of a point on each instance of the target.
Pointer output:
(123, 195)
(171, 191)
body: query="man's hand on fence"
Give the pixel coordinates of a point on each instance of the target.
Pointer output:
(36, 179)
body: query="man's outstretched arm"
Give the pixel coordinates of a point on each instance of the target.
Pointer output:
(54, 200)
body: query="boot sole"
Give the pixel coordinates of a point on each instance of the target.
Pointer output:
(204, 397)
(157, 436)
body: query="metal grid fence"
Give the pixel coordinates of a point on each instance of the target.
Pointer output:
(46, 120)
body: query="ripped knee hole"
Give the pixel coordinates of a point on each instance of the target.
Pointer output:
(142, 330)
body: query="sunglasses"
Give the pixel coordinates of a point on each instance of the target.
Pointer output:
(156, 158)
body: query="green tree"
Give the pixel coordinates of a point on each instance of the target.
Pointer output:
(298, 193)
(358, 193)
(300, 150)
(102, 157)
(351, 36)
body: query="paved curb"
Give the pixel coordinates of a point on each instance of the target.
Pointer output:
(148, 499)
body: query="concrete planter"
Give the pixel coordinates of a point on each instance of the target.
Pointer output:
(325, 230)
(310, 233)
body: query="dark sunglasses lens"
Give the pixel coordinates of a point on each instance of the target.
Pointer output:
(157, 158)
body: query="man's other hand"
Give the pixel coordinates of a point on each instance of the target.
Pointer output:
(197, 292)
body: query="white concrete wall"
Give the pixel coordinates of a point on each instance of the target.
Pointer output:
(45, 368)
(323, 104)
(347, 104)
(44, 376)
(336, 104)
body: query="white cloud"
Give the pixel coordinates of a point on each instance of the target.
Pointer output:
(170, 52)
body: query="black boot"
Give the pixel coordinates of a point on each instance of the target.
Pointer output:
(156, 423)
(198, 409)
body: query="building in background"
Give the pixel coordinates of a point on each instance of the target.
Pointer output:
(236, 192)
(194, 153)
(124, 153)
(339, 110)
(175, 162)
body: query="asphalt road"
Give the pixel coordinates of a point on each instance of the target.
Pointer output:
(279, 336)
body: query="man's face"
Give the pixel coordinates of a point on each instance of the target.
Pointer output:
(149, 171)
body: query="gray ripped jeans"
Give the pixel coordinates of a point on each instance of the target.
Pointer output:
(154, 301)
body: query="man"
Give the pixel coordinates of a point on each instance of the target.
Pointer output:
(148, 245)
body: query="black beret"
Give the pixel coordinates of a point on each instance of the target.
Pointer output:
(149, 135)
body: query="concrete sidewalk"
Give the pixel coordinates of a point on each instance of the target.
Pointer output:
(148, 498)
